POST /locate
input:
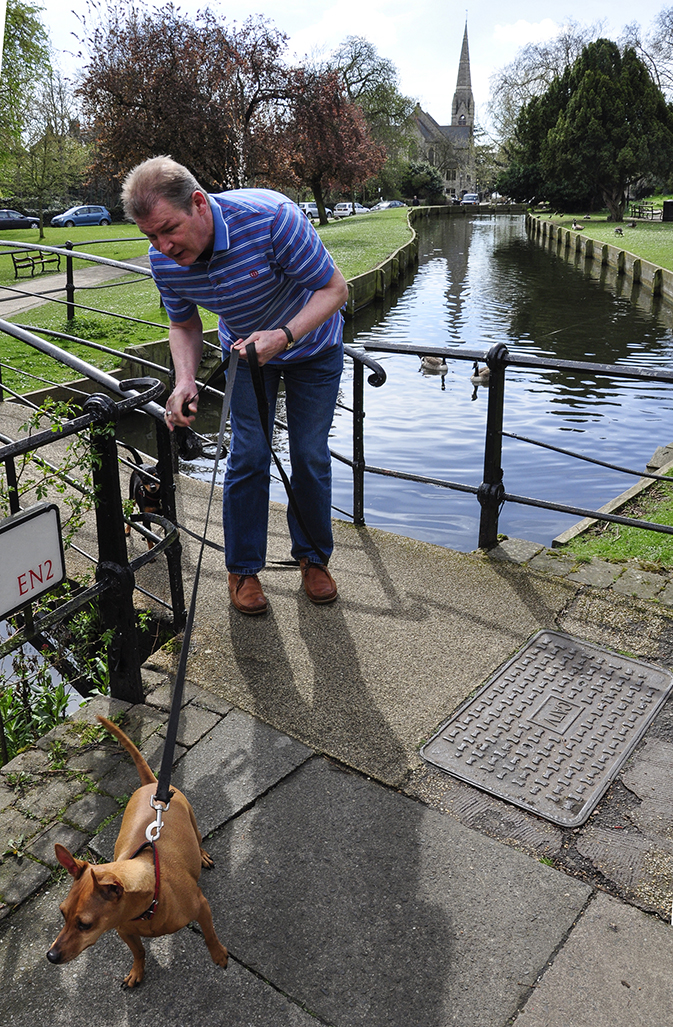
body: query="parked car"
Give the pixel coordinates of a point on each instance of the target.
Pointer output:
(470, 200)
(343, 210)
(85, 215)
(386, 204)
(12, 219)
(311, 210)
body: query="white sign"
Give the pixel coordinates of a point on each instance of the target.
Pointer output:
(31, 556)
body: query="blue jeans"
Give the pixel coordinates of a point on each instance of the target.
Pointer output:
(311, 390)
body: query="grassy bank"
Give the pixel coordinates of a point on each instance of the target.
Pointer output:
(357, 244)
(649, 240)
(619, 542)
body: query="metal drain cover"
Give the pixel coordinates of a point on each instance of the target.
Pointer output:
(550, 730)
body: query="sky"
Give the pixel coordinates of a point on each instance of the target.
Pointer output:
(421, 37)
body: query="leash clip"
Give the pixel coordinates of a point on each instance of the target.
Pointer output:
(154, 829)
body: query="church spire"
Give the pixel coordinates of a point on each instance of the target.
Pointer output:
(462, 111)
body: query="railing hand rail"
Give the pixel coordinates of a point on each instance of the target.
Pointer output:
(77, 364)
(63, 252)
(522, 360)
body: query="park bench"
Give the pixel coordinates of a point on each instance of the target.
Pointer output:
(35, 261)
(646, 211)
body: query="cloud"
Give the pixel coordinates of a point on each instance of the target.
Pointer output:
(522, 32)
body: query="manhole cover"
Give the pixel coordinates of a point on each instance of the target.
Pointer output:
(550, 730)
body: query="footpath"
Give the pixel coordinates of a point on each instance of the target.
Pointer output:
(354, 884)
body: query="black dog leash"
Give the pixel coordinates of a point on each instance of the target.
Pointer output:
(263, 409)
(161, 799)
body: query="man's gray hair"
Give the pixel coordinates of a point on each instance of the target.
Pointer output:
(159, 178)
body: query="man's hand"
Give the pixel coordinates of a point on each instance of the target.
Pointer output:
(186, 342)
(185, 392)
(268, 344)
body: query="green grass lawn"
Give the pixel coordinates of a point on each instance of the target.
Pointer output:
(618, 542)
(356, 243)
(359, 243)
(123, 250)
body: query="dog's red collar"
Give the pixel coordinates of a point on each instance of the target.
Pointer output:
(152, 908)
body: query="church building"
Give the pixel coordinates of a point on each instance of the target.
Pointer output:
(450, 148)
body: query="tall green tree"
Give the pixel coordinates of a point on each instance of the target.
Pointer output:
(603, 124)
(372, 82)
(25, 61)
(51, 158)
(534, 67)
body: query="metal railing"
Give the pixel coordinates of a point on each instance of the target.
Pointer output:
(491, 493)
(115, 574)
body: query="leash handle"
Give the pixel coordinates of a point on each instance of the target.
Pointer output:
(263, 409)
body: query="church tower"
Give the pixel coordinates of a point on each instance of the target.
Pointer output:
(462, 111)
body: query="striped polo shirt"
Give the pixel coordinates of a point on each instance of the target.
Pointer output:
(267, 262)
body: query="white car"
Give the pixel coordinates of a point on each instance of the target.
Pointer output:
(470, 200)
(311, 210)
(343, 210)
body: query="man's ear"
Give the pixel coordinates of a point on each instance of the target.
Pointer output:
(200, 201)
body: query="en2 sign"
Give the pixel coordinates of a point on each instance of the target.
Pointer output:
(31, 556)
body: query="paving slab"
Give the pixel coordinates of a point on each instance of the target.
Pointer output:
(415, 629)
(615, 970)
(182, 985)
(643, 584)
(369, 909)
(232, 765)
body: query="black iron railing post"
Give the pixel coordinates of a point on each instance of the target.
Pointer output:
(116, 603)
(12, 485)
(491, 489)
(69, 285)
(167, 496)
(358, 443)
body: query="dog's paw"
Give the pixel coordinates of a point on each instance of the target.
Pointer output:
(206, 860)
(220, 958)
(134, 977)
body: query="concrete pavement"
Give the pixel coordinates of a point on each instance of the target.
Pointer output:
(354, 884)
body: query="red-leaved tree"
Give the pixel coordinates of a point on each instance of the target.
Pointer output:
(205, 92)
(327, 140)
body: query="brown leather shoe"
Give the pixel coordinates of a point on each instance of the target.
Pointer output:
(319, 584)
(246, 593)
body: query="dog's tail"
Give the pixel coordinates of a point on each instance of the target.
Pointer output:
(134, 452)
(145, 774)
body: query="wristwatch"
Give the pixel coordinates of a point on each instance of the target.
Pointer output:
(290, 337)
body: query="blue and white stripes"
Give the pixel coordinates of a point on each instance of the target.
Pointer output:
(266, 263)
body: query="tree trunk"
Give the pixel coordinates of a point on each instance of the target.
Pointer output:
(316, 186)
(615, 201)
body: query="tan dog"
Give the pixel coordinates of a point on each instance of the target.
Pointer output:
(120, 894)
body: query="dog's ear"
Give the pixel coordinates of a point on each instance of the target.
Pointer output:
(108, 884)
(75, 867)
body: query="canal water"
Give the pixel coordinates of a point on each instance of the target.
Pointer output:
(479, 282)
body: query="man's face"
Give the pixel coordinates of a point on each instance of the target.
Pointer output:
(177, 234)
